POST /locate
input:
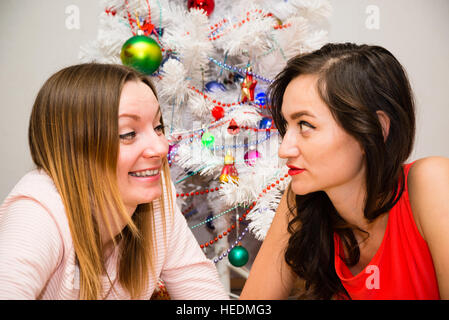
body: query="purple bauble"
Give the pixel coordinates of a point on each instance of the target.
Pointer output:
(251, 156)
(171, 151)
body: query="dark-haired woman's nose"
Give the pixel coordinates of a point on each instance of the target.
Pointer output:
(289, 148)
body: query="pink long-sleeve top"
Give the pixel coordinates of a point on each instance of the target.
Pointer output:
(37, 257)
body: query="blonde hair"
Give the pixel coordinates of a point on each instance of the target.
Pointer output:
(73, 136)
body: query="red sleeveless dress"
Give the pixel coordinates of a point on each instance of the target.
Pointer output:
(402, 267)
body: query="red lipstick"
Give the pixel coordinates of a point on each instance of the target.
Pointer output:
(294, 170)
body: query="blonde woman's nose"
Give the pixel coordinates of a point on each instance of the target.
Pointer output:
(157, 147)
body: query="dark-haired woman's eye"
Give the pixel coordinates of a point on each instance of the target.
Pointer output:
(128, 136)
(305, 126)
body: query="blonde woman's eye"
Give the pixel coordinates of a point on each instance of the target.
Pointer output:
(159, 128)
(127, 136)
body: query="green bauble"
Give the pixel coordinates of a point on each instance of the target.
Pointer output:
(207, 140)
(141, 53)
(238, 256)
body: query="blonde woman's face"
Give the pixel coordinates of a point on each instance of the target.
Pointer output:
(142, 145)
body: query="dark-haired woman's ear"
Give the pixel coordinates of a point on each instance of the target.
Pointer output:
(384, 120)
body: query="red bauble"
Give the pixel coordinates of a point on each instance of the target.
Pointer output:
(233, 128)
(218, 113)
(206, 5)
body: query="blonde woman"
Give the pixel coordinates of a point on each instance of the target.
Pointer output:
(96, 219)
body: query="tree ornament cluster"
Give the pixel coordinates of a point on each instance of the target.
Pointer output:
(212, 63)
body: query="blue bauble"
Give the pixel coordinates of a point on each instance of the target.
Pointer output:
(266, 123)
(159, 31)
(214, 87)
(261, 98)
(209, 223)
(238, 78)
(166, 58)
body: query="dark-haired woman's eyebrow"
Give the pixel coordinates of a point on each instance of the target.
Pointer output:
(299, 114)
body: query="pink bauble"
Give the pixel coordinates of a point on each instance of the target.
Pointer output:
(251, 157)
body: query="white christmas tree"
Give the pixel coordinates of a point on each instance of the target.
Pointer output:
(218, 58)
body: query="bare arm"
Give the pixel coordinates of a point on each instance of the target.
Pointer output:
(270, 277)
(429, 192)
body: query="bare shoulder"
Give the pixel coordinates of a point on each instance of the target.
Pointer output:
(428, 174)
(430, 165)
(428, 187)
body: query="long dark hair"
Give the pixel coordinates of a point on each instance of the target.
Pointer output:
(354, 81)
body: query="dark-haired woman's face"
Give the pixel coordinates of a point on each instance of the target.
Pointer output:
(320, 154)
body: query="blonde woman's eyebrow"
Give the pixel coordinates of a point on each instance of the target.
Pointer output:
(158, 114)
(137, 117)
(130, 115)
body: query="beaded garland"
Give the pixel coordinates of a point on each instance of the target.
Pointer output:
(174, 151)
(220, 236)
(225, 233)
(193, 193)
(240, 237)
(178, 136)
(198, 133)
(227, 104)
(214, 217)
(244, 145)
(232, 227)
(239, 70)
(214, 34)
(190, 174)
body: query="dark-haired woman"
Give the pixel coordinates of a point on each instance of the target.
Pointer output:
(356, 222)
